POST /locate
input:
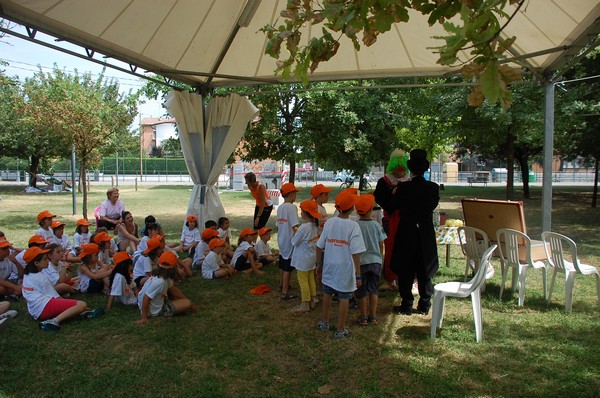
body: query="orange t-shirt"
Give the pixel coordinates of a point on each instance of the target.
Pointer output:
(255, 194)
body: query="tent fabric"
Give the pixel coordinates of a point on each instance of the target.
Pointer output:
(206, 147)
(215, 43)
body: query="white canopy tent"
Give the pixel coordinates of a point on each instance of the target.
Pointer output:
(215, 43)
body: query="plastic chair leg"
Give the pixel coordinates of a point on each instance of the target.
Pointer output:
(551, 285)
(467, 269)
(522, 279)
(504, 275)
(598, 287)
(569, 282)
(476, 301)
(545, 276)
(437, 313)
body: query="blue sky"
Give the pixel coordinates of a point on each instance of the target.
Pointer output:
(24, 57)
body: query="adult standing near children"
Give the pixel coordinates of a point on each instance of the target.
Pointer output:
(111, 210)
(395, 172)
(264, 205)
(415, 249)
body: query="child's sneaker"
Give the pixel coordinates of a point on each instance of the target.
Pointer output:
(93, 314)
(323, 326)
(9, 314)
(341, 335)
(4, 323)
(49, 325)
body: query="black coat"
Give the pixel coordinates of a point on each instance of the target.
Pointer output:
(415, 245)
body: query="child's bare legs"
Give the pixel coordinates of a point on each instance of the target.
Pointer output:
(221, 273)
(285, 282)
(180, 302)
(255, 266)
(327, 298)
(362, 306)
(72, 312)
(187, 266)
(342, 313)
(373, 300)
(63, 288)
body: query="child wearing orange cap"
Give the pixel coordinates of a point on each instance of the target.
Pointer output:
(244, 258)
(338, 262)
(304, 255)
(60, 237)
(320, 194)
(370, 261)
(93, 277)
(190, 236)
(287, 225)
(213, 266)
(43, 302)
(35, 240)
(44, 219)
(80, 238)
(263, 250)
(159, 296)
(122, 286)
(203, 249)
(9, 273)
(104, 242)
(151, 229)
(142, 267)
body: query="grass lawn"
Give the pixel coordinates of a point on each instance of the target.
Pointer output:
(238, 344)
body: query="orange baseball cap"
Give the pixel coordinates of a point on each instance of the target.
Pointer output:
(351, 191)
(264, 230)
(167, 259)
(37, 239)
(45, 214)
(209, 233)
(311, 207)
(319, 189)
(191, 217)
(216, 242)
(344, 201)
(288, 188)
(4, 243)
(153, 243)
(101, 237)
(247, 231)
(83, 222)
(119, 257)
(56, 224)
(89, 248)
(364, 203)
(32, 253)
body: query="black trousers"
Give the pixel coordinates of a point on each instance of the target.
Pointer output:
(264, 217)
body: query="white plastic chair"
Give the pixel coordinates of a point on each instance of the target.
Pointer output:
(510, 241)
(462, 289)
(554, 246)
(473, 243)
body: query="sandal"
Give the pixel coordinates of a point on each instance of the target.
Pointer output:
(288, 296)
(362, 321)
(372, 321)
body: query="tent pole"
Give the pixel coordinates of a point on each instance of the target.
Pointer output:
(548, 156)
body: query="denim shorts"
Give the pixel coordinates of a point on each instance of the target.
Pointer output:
(341, 295)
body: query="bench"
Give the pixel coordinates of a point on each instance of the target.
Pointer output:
(478, 180)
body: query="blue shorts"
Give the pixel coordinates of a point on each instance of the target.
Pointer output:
(341, 295)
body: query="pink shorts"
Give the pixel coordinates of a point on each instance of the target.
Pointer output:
(55, 307)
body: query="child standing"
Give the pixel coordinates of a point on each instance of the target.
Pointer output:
(159, 296)
(190, 236)
(93, 277)
(213, 266)
(339, 267)
(43, 302)
(370, 260)
(287, 225)
(320, 194)
(244, 257)
(122, 287)
(263, 251)
(304, 255)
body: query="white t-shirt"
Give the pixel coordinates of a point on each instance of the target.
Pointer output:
(211, 263)
(37, 291)
(107, 209)
(262, 249)
(224, 234)
(156, 288)
(304, 241)
(47, 234)
(84, 279)
(287, 219)
(341, 238)
(189, 236)
(122, 291)
(53, 272)
(64, 242)
(372, 233)
(142, 267)
(242, 247)
(104, 256)
(323, 211)
(19, 258)
(201, 252)
(78, 241)
(8, 269)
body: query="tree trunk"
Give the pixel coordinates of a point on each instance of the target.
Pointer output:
(524, 175)
(292, 176)
(510, 166)
(83, 186)
(595, 194)
(34, 164)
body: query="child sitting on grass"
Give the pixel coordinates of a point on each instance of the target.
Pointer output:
(143, 266)
(203, 249)
(244, 258)
(190, 236)
(213, 266)
(43, 302)
(122, 287)
(339, 265)
(80, 238)
(58, 272)
(93, 277)
(264, 252)
(159, 297)
(370, 260)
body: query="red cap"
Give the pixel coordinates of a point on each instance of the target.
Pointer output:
(32, 253)
(39, 239)
(264, 230)
(101, 237)
(4, 243)
(344, 201)
(209, 233)
(319, 189)
(364, 203)
(167, 260)
(191, 217)
(56, 224)
(247, 231)
(311, 207)
(216, 242)
(119, 257)
(288, 188)
(153, 243)
(89, 248)
(45, 214)
(83, 222)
